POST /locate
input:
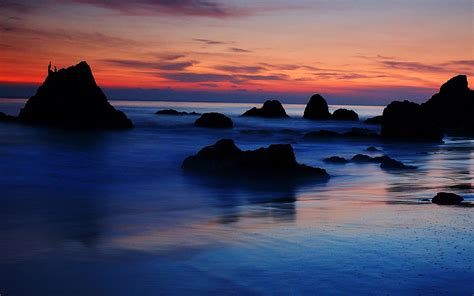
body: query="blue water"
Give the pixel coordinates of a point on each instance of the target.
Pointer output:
(94, 213)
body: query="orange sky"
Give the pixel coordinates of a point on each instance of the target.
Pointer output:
(340, 48)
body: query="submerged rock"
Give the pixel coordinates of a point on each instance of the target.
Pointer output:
(392, 164)
(317, 108)
(372, 149)
(225, 158)
(214, 120)
(336, 159)
(344, 114)
(406, 120)
(445, 198)
(6, 118)
(174, 112)
(453, 106)
(270, 109)
(374, 120)
(354, 133)
(71, 98)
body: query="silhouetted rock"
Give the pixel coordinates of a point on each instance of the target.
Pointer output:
(445, 198)
(372, 149)
(453, 106)
(336, 159)
(71, 98)
(354, 133)
(406, 120)
(174, 112)
(7, 118)
(270, 109)
(214, 120)
(225, 158)
(344, 114)
(374, 120)
(317, 108)
(392, 164)
(362, 158)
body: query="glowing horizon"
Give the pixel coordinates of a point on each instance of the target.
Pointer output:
(338, 48)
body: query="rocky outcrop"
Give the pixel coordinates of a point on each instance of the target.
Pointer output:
(224, 158)
(385, 161)
(270, 109)
(174, 112)
(71, 98)
(406, 120)
(214, 120)
(317, 108)
(446, 198)
(453, 106)
(374, 120)
(372, 149)
(344, 114)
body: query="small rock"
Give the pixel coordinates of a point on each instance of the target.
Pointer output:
(214, 120)
(344, 114)
(374, 120)
(336, 159)
(174, 112)
(270, 109)
(445, 198)
(372, 149)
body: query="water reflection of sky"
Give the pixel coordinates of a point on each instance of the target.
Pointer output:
(90, 213)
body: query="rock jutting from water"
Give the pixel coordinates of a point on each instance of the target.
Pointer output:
(336, 159)
(453, 106)
(224, 157)
(71, 98)
(345, 114)
(270, 109)
(174, 112)
(6, 118)
(376, 120)
(354, 133)
(406, 120)
(317, 108)
(214, 120)
(446, 198)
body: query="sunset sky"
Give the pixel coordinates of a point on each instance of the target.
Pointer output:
(356, 52)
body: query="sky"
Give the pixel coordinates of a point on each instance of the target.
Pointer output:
(351, 52)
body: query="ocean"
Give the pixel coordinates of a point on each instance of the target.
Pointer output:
(111, 212)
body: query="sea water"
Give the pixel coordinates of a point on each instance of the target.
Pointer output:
(111, 212)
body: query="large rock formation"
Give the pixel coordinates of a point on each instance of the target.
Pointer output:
(270, 109)
(406, 120)
(344, 114)
(214, 120)
(71, 98)
(453, 106)
(224, 158)
(317, 108)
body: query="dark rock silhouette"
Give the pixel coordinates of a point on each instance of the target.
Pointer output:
(453, 106)
(6, 118)
(336, 159)
(344, 114)
(372, 149)
(270, 109)
(406, 120)
(317, 108)
(214, 120)
(174, 112)
(354, 133)
(225, 158)
(71, 98)
(392, 164)
(374, 120)
(362, 158)
(446, 198)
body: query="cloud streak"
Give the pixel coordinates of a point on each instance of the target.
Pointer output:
(165, 66)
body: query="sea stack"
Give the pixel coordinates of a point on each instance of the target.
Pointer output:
(270, 109)
(453, 106)
(71, 98)
(317, 108)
